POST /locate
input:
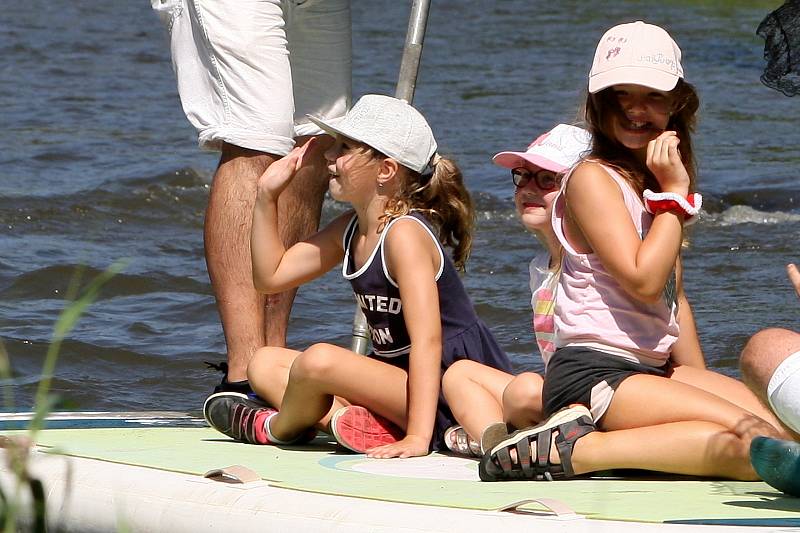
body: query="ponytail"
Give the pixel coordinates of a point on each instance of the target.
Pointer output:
(443, 198)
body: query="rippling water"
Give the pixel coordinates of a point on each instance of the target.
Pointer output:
(99, 164)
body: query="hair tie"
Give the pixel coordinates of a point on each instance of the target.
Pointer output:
(435, 159)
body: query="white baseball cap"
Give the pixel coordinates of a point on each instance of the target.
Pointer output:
(389, 125)
(637, 53)
(557, 150)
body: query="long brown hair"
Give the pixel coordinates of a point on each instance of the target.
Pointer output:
(446, 202)
(601, 106)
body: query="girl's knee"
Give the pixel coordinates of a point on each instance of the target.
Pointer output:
(456, 373)
(522, 400)
(314, 364)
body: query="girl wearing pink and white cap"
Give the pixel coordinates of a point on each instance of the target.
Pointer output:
(611, 394)
(484, 399)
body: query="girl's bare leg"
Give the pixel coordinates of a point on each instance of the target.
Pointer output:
(268, 374)
(730, 389)
(474, 393)
(324, 371)
(662, 424)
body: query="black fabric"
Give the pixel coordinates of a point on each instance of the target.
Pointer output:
(572, 372)
(781, 32)
(242, 387)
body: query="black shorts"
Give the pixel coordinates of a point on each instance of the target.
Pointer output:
(588, 377)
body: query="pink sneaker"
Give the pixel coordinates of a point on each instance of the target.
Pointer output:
(357, 429)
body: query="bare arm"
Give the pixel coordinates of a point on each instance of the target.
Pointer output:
(794, 276)
(413, 260)
(596, 210)
(686, 350)
(275, 268)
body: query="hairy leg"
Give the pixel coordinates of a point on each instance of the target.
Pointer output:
(522, 400)
(761, 356)
(249, 320)
(227, 248)
(474, 393)
(324, 371)
(299, 211)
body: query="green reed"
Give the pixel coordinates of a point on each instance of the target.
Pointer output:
(18, 448)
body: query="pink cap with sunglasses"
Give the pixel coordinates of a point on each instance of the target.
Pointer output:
(557, 150)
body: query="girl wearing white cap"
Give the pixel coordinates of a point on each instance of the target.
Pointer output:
(406, 201)
(620, 217)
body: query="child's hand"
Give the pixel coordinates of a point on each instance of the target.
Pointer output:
(664, 161)
(280, 173)
(794, 276)
(410, 446)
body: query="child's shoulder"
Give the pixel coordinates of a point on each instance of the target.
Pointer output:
(590, 166)
(590, 170)
(408, 226)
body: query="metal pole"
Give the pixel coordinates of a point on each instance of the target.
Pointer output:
(412, 52)
(406, 85)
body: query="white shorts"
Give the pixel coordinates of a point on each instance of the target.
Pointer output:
(250, 70)
(783, 391)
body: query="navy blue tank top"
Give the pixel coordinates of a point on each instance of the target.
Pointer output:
(379, 297)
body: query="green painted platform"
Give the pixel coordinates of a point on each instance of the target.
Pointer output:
(435, 480)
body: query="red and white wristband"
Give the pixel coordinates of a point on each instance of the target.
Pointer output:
(689, 207)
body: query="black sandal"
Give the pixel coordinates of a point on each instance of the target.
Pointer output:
(572, 423)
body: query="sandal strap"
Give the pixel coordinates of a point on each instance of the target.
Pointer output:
(524, 457)
(568, 435)
(499, 465)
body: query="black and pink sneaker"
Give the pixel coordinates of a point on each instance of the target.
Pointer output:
(245, 420)
(238, 417)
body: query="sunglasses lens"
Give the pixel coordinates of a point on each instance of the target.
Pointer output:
(520, 177)
(546, 180)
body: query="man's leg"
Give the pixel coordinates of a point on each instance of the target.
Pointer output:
(769, 366)
(249, 320)
(299, 211)
(227, 250)
(236, 85)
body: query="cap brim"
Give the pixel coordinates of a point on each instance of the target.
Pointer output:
(330, 126)
(518, 159)
(648, 77)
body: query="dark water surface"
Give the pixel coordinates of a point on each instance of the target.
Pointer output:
(98, 163)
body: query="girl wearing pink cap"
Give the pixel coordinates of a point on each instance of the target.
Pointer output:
(485, 399)
(620, 219)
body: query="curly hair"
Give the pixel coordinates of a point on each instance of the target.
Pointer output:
(442, 196)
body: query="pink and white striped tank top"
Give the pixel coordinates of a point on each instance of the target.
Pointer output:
(543, 289)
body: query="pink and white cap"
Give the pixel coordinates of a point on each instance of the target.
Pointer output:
(636, 53)
(557, 150)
